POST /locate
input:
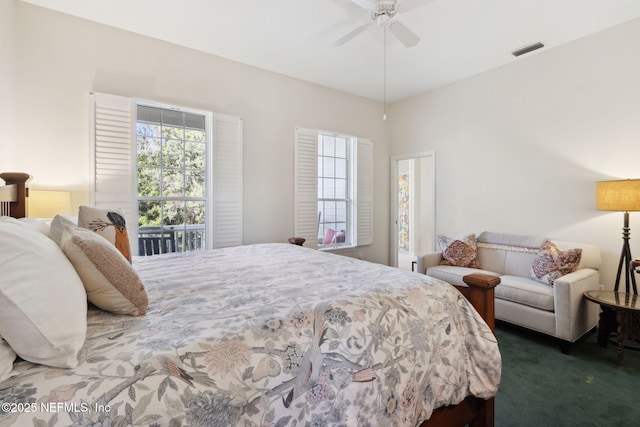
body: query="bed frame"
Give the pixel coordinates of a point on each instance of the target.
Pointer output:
(472, 411)
(13, 194)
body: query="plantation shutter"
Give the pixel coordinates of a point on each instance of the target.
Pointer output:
(113, 168)
(364, 192)
(112, 154)
(306, 186)
(227, 181)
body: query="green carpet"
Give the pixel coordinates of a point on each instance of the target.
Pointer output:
(542, 387)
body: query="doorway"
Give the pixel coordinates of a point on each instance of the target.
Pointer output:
(413, 208)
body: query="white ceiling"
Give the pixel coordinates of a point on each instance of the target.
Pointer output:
(459, 38)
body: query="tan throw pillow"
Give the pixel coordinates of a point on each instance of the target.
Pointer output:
(109, 279)
(43, 305)
(461, 252)
(110, 224)
(552, 263)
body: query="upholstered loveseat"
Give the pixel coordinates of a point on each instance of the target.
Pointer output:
(551, 305)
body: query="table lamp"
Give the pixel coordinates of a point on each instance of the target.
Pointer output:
(621, 196)
(48, 203)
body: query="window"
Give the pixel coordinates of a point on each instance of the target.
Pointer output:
(334, 192)
(172, 176)
(179, 168)
(332, 189)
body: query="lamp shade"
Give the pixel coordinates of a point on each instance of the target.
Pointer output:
(621, 195)
(47, 204)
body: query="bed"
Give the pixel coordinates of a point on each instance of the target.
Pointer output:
(271, 335)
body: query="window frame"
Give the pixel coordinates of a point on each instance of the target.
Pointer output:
(113, 183)
(207, 198)
(350, 166)
(306, 189)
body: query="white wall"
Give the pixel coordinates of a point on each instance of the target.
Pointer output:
(519, 148)
(60, 59)
(6, 80)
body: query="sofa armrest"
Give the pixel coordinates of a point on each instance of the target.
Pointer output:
(574, 315)
(428, 260)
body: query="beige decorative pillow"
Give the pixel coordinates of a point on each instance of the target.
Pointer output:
(110, 281)
(43, 305)
(110, 224)
(552, 263)
(461, 252)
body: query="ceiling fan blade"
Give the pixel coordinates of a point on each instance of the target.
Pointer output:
(365, 4)
(351, 35)
(404, 34)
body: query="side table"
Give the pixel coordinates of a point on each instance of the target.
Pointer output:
(627, 315)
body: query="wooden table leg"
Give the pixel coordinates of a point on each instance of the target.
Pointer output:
(620, 318)
(607, 324)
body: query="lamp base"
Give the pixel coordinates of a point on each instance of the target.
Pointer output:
(626, 260)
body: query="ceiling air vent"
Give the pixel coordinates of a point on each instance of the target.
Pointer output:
(527, 49)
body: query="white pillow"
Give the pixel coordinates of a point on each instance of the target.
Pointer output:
(38, 224)
(58, 224)
(44, 305)
(7, 356)
(109, 279)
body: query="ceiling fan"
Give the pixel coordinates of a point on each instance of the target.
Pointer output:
(381, 13)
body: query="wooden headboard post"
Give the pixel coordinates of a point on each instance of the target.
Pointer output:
(18, 208)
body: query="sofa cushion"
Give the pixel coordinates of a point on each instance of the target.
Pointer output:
(525, 291)
(552, 263)
(512, 260)
(505, 239)
(508, 253)
(461, 252)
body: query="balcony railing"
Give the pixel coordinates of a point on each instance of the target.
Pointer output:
(170, 238)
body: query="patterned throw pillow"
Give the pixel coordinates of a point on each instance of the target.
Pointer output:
(110, 224)
(461, 252)
(552, 263)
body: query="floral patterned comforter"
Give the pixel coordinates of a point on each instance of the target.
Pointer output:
(267, 335)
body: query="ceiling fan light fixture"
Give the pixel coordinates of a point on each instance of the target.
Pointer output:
(381, 13)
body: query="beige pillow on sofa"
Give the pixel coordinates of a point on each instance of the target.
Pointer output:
(110, 281)
(43, 305)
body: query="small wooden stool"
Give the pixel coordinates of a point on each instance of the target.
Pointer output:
(297, 240)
